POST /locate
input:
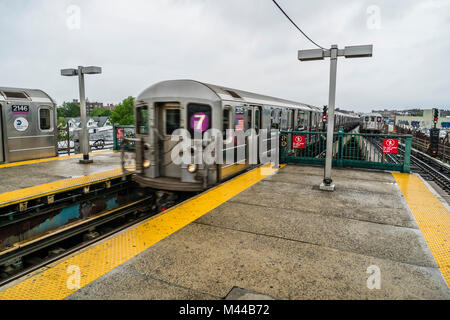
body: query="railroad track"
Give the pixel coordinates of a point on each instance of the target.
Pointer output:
(427, 167)
(36, 254)
(431, 170)
(33, 254)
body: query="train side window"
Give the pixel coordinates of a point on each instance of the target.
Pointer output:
(45, 119)
(226, 120)
(142, 119)
(300, 120)
(292, 120)
(274, 119)
(240, 119)
(289, 124)
(172, 120)
(257, 119)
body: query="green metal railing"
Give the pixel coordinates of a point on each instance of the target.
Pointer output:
(121, 132)
(358, 150)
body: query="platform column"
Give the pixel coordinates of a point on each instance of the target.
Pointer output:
(84, 129)
(80, 72)
(327, 183)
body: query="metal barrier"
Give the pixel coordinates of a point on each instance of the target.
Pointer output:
(64, 140)
(357, 150)
(69, 141)
(421, 142)
(121, 132)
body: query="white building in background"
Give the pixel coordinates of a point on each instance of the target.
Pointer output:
(423, 122)
(100, 128)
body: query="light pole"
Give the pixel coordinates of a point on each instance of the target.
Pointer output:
(333, 54)
(80, 72)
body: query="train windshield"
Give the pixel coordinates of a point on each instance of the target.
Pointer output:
(172, 120)
(142, 120)
(367, 119)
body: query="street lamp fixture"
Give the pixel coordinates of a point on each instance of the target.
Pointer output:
(363, 51)
(80, 72)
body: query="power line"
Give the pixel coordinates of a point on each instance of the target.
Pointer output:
(281, 9)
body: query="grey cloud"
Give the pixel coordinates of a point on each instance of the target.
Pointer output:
(243, 44)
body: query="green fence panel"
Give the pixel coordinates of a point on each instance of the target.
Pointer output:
(121, 132)
(358, 150)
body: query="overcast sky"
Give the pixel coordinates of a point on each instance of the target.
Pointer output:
(243, 44)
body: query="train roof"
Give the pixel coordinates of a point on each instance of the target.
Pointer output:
(197, 89)
(349, 115)
(371, 114)
(22, 94)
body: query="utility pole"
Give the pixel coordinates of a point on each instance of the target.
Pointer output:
(333, 53)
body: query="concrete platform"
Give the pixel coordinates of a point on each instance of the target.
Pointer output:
(283, 238)
(16, 176)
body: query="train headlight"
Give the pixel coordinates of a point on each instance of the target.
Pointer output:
(192, 168)
(146, 164)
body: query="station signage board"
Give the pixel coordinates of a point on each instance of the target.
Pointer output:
(390, 145)
(298, 142)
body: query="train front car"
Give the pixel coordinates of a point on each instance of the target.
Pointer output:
(201, 113)
(161, 112)
(372, 123)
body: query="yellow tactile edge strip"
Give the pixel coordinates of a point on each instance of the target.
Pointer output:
(42, 190)
(22, 163)
(432, 217)
(67, 276)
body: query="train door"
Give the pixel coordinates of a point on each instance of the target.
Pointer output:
(168, 122)
(234, 147)
(2, 155)
(253, 122)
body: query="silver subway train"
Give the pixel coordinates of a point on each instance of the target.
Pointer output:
(195, 106)
(27, 125)
(372, 123)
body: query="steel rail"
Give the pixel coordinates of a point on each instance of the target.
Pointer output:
(66, 234)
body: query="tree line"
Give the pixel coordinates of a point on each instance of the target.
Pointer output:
(122, 114)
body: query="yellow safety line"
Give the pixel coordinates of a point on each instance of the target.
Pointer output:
(21, 163)
(25, 194)
(78, 271)
(432, 217)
